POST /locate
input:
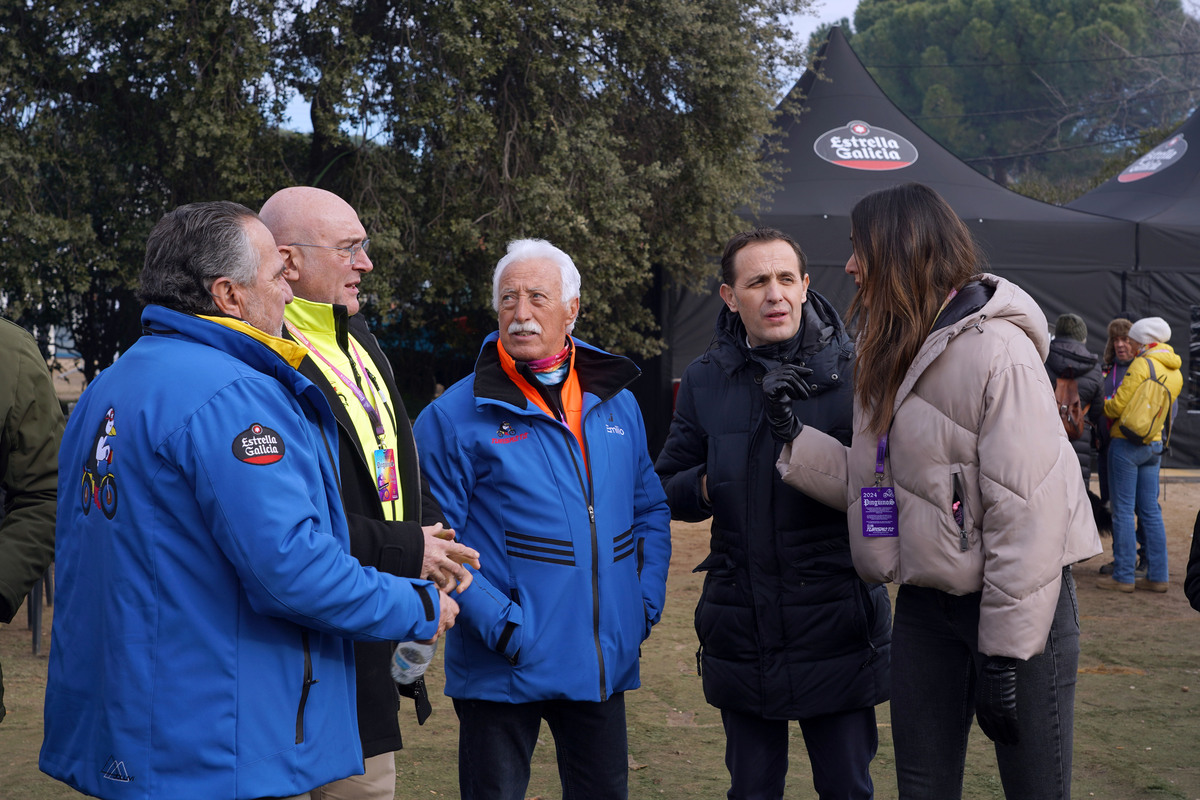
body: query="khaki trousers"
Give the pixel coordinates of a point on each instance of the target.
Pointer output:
(377, 783)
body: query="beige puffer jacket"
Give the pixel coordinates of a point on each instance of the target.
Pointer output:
(976, 408)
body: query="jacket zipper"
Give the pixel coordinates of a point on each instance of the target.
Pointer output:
(587, 489)
(960, 512)
(308, 682)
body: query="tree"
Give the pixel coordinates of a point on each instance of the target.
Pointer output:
(625, 132)
(1023, 87)
(111, 114)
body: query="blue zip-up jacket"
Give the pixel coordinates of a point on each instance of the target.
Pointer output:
(574, 556)
(205, 589)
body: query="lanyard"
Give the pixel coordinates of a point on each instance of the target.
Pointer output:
(880, 453)
(351, 385)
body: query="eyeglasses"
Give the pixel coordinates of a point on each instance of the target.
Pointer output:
(351, 251)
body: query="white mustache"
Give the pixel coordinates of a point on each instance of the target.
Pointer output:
(525, 327)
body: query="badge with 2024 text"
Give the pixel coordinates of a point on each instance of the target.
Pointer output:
(879, 514)
(385, 475)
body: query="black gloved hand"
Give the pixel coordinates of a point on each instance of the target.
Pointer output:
(783, 385)
(996, 699)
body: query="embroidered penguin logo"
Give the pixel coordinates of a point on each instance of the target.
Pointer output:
(505, 430)
(99, 483)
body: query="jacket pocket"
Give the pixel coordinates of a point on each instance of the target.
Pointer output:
(308, 682)
(867, 608)
(960, 510)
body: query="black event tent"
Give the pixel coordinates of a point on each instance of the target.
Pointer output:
(848, 139)
(1160, 192)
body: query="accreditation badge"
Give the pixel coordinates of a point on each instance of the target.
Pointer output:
(879, 514)
(385, 475)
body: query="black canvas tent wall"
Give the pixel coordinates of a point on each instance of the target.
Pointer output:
(1160, 193)
(848, 139)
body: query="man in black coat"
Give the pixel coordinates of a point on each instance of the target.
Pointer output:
(395, 523)
(787, 629)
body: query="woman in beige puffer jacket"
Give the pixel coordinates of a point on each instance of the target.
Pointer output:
(989, 512)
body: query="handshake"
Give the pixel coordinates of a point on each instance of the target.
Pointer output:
(782, 386)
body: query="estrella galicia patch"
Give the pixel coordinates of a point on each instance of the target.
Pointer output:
(258, 444)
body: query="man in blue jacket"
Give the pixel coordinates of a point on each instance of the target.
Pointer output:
(787, 629)
(206, 592)
(539, 462)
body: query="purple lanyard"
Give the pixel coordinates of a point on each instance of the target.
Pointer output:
(351, 385)
(880, 453)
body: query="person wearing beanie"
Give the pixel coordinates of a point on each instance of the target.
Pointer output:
(1133, 466)
(1071, 326)
(1150, 330)
(1070, 358)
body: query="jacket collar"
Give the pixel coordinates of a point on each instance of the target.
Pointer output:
(601, 374)
(268, 354)
(819, 325)
(1006, 301)
(324, 319)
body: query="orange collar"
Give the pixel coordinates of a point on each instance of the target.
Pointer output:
(572, 393)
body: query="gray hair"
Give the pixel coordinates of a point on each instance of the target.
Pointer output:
(529, 249)
(190, 248)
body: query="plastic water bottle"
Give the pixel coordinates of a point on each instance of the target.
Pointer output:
(410, 659)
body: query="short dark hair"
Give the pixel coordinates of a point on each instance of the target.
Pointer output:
(190, 248)
(756, 236)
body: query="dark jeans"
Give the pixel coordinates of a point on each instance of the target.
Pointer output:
(840, 749)
(935, 662)
(496, 740)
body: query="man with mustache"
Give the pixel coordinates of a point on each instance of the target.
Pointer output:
(539, 461)
(395, 524)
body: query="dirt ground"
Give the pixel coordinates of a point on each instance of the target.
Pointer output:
(1137, 723)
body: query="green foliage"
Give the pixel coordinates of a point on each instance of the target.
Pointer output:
(1005, 83)
(111, 114)
(625, 131)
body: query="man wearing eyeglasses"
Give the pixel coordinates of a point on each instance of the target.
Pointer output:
(395, 524)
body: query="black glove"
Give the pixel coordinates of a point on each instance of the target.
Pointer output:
(783, 385)
(996, 700)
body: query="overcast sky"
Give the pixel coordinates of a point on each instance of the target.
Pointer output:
(823, 11)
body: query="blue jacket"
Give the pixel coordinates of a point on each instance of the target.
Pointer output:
(205, 589)
(574, 556)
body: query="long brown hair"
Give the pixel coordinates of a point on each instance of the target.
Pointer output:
(912, 250)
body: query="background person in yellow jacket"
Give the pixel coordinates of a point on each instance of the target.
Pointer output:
(1133, 466)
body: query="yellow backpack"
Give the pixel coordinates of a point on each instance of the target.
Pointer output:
(1148, 411)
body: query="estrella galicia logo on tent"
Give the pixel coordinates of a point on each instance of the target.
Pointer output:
(258, 445)
(1154, 162)
(861, 146)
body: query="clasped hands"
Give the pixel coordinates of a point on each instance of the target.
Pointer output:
(443, 564)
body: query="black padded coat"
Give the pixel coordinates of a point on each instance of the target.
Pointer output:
(787, 629)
